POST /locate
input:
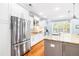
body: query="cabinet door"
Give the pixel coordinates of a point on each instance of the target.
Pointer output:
(70, 49)
(52, 48)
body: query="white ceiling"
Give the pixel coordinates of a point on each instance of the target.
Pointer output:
(55, 10)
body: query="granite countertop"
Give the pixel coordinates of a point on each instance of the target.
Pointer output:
(69, 38)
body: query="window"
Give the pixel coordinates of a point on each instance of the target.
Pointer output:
(61, 26)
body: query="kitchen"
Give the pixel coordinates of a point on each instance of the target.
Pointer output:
(24, 26)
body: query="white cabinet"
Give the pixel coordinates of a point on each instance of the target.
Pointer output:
(35, 39)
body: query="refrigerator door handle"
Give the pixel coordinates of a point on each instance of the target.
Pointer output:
(21, 43)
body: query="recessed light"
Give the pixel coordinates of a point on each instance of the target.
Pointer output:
(40, 13)
(57, 8)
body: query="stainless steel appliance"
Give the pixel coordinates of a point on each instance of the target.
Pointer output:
(20, 42)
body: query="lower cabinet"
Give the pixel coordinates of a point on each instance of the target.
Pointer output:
(57, 48)
(70, 49)
(52, 48)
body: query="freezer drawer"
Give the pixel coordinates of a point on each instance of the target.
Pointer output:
(20, 49)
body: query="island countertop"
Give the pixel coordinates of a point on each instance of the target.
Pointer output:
(69, 38)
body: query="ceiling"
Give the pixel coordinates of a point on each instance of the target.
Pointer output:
(56, 10)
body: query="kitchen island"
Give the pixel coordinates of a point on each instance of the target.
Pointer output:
(63, 45)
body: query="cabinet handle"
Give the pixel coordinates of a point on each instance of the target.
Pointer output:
(52, 45)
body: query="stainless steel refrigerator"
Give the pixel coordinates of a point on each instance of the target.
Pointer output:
(20, 36)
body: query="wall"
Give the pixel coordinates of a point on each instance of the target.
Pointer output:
(4, 30)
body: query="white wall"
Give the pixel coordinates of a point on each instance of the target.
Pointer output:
(4, 30)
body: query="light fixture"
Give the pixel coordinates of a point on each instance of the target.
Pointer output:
(41, 13)
(74, 17)
(57, 8)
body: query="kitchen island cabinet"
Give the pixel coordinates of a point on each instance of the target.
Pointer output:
(70, 49)
(52, 48)
(60, 48)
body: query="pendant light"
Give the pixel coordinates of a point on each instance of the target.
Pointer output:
(74, 17)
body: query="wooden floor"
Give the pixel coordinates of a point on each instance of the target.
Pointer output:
(37, 50)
